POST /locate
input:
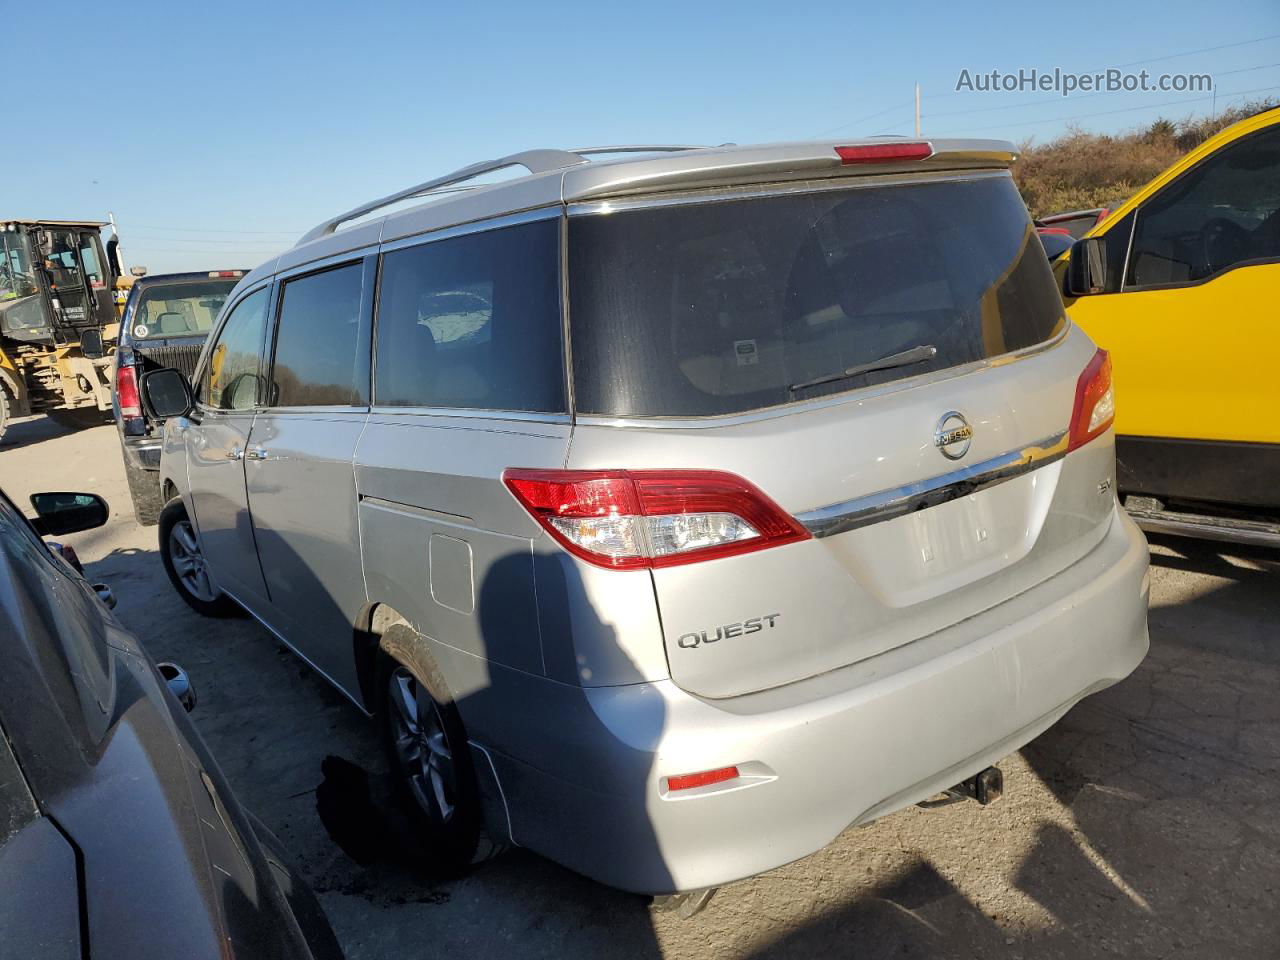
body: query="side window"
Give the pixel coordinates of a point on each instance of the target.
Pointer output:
(317, 360)
(233, 375)
(1223, 212)
(89, 257)
(473, 322)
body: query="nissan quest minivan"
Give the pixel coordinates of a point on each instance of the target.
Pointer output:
(673, 510)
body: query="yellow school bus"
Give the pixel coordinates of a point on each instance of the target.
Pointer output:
(1182, 285)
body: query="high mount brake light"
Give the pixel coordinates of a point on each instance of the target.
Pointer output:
(1095, 406)
(652, 518)
(884, 152)
(226, 273)
(127, 391)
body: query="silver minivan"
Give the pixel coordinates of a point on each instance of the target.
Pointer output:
(674, 509)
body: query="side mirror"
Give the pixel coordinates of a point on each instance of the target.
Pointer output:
(166, 393)
(91, 344)
(1087, 268)
(62, 513)
(179, 684)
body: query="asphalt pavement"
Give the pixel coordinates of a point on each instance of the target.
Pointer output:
(1145, 824)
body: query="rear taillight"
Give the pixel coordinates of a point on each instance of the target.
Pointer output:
(652, 518)
(127, 391)
(884, 152)
(1095, 408)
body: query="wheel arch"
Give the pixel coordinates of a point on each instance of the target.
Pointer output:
(374, 620)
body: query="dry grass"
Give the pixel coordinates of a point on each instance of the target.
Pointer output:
(1081, 170)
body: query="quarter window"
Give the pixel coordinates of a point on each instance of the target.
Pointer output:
(234, 379)
(473, 322)
(1224, 212)
(317, 345)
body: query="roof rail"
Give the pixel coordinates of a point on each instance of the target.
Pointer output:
(637, 148)
(535, 161)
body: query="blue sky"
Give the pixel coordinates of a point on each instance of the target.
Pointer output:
(218, 133)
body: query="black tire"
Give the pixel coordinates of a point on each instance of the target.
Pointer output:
(450, 837)
(144, 490)
(78, 418)
(4, 410)
(209, 603)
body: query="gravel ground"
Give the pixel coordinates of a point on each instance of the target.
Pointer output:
(1144, 824)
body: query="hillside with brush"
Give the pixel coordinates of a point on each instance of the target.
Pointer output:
(1080, 170)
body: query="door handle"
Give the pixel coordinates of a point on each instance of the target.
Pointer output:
(235, 454)
(258, 454)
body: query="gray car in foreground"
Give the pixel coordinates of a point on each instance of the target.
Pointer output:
(676, 509)
(119, 837)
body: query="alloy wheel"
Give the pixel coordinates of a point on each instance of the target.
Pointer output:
(189, 563)
(422, 747)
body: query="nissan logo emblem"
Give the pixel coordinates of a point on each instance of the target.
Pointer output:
(953, 435)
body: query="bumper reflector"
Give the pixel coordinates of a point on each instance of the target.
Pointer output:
(687, 781)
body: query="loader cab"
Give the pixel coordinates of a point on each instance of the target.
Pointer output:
(56, 281)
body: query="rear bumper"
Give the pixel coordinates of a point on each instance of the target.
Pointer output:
(825, 753)
(144, 454)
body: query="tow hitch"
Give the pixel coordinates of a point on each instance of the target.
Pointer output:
(985, 787)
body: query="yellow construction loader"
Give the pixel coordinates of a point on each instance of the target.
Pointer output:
(59, 292)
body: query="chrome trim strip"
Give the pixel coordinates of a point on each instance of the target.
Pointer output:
(784, 188)
(472, 226)
(856, 395)
(898, 501)
(472, 413)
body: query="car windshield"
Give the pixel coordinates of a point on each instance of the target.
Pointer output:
(17, 278)
(699, 309)
(179, 309)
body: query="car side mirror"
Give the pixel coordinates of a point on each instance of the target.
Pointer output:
(62, 513)
(166, 393)
(179, 684)
(1087, 268)
(91, 344)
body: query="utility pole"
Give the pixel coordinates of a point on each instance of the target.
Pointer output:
(917, 109)
(111, 217)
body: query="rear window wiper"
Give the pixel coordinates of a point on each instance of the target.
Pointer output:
(904, 358)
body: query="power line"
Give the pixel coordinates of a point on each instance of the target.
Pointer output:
(880, 113)
(1104, 113)
(1087, 96)
(143, 226)
(1134, 63)
(204, 240)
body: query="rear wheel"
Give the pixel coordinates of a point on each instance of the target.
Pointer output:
(4, 410)
(184, 562)
(144, 489)
(428, 752)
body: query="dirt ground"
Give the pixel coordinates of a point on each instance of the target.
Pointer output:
(1145, 824)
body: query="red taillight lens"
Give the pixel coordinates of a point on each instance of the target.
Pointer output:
(687, 781)
(652, 518)
(884, 152)
(1095, 407)
(226, 273)
(127, 391)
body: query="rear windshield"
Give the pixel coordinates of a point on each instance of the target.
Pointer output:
(716, 308)
(179, 309)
